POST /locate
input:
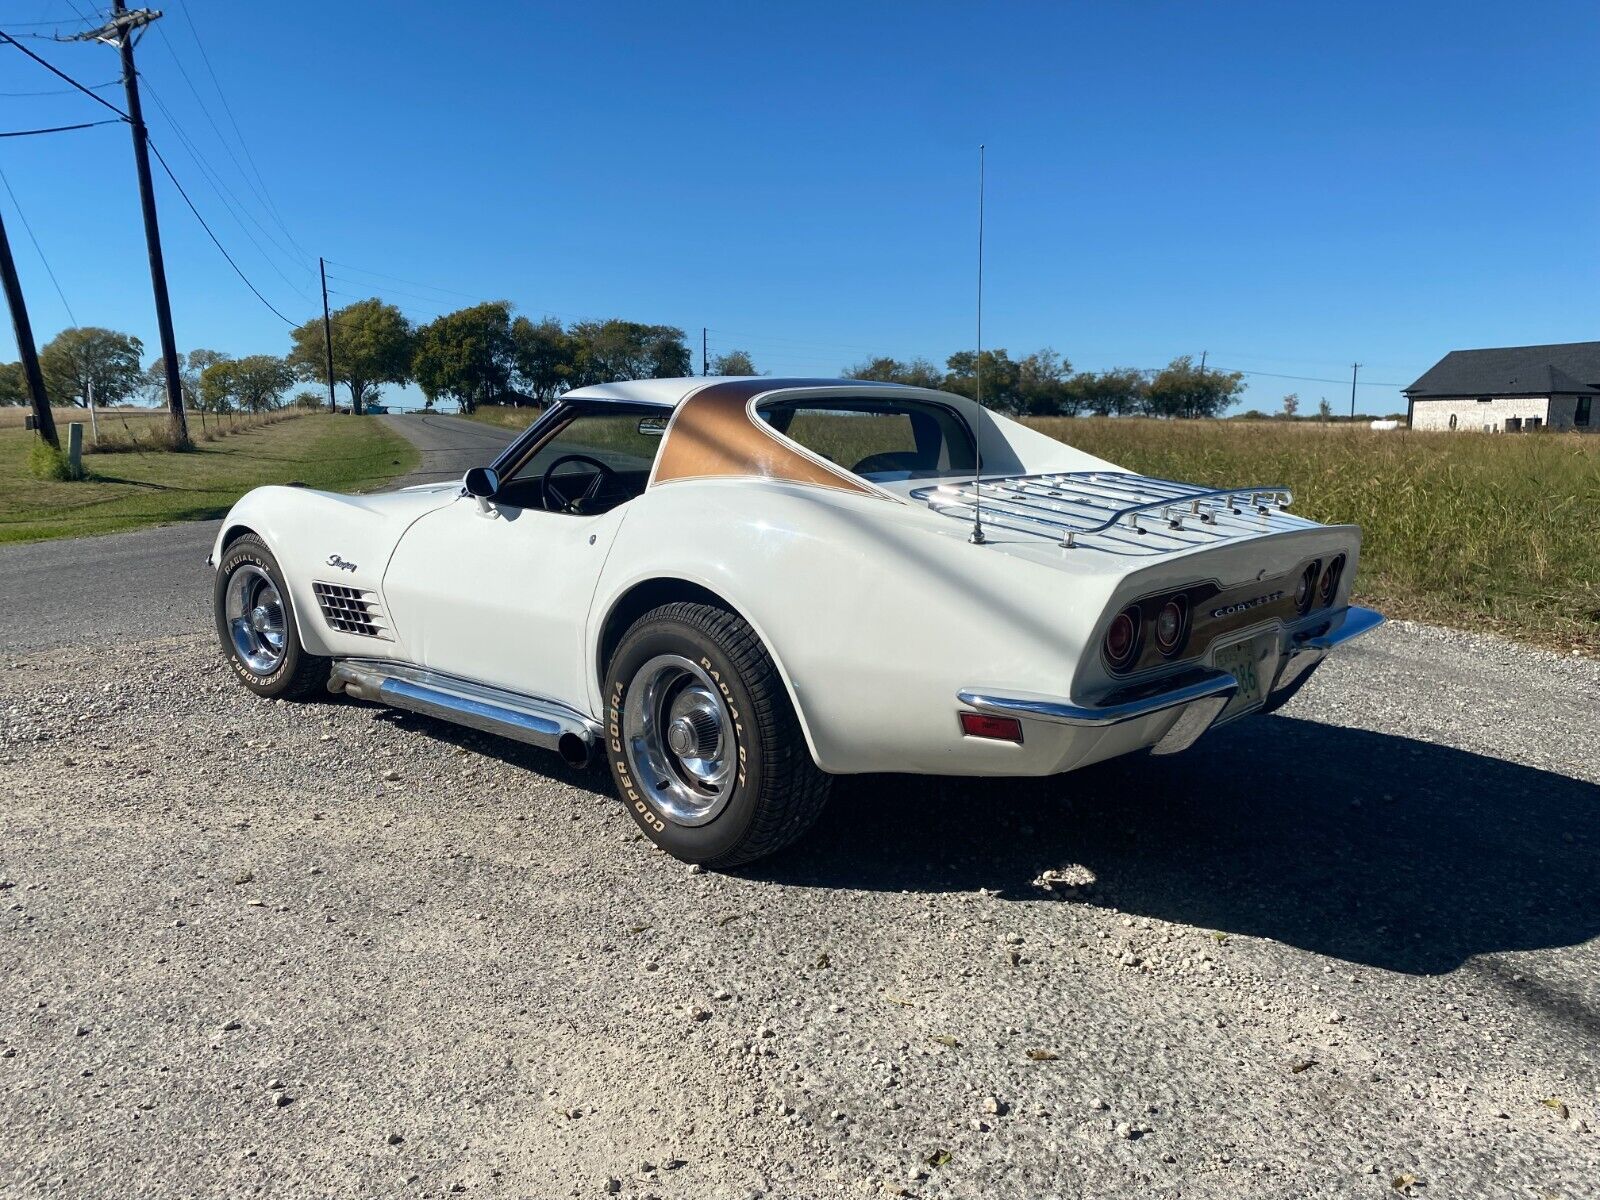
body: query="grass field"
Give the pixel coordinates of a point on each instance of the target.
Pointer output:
(1467, 529)
(504, 417)
(138, 487)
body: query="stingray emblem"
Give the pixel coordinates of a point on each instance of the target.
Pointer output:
(335, 561)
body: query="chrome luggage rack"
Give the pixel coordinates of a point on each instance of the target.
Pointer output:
(1072, 505)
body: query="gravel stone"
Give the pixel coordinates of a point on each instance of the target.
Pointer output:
(498, 908)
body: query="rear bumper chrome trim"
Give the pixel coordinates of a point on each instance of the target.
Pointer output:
(1202, 684)
(1202, 692)
(1357, 621)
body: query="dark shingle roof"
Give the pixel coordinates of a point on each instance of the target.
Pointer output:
(1513, 371)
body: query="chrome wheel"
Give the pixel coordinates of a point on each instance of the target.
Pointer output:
(678, 735)
(253, 611)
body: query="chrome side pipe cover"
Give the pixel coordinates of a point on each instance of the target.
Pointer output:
(532, 720)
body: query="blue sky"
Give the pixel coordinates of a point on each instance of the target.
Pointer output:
(1289, 187)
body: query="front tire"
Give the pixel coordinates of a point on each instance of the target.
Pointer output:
(257, 627)
(703, 743)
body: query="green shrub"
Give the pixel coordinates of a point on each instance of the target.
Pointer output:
(46, 462)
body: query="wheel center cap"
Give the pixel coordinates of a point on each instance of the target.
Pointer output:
(260, 618)
(682, 737)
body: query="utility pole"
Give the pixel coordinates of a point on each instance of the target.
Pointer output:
(705, 363)
(43, 421)
(1203, 354)
(1354, 368)
(327, 334)
(121, 32)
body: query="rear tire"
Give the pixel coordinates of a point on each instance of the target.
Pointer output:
(257, 627)
(704, 745)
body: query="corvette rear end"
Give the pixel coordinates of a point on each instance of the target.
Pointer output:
(1226, 605)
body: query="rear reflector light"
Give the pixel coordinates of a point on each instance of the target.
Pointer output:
(1330, 579)
(1307, 585)
(1170, 625)
(1122, 638)
(1000, 729)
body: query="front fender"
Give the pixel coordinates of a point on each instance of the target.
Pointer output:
(344, 540)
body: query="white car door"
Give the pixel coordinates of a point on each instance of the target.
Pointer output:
(499, 592)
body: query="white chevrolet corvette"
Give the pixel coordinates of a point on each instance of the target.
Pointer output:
(736, 589)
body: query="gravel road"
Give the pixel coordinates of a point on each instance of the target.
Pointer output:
(327, 950)
(154, 582)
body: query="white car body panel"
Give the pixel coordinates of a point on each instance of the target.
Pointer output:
(502, 597)
(877, 610)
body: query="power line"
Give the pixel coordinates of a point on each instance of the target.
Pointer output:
(397, 279)
(1310, 378)
(61, 128)
(205, 111)
(59, 74)
(93, 87)
(38, 249)
(162, 160)
(266, 192)
(37, 24)
(390, 290)
(229, 201)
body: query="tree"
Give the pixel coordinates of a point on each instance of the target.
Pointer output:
(734, 362)
(919, 372)
(543, 356)
(612, 350)
(1291, 404)
(190, 367)
(1324, 409)
(254, 383)
(1002, 379)
(466, 355)
(1042, 389)
(1109, 393)
(308, 400)
(371, 346)
(13, 388)
(1185, 390)
(88, 355)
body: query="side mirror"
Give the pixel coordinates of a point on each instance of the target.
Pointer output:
(481, 483)
(652, 426)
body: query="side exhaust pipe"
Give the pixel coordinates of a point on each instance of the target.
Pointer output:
(532, 720)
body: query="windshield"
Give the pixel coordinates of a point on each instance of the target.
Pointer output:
(880, 440)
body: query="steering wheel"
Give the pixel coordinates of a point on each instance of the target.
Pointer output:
(558, 499)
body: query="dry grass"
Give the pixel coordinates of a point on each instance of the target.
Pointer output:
(123, 430)
(1467, 529)
(505, 416)
(149, 487)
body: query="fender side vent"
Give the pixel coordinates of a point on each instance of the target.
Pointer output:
(351, 610)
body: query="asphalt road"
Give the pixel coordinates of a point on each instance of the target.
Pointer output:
(154, 582)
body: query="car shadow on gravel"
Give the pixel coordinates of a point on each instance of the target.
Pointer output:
(1362, 846)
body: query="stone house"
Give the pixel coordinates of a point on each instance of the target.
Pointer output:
(1510, 389)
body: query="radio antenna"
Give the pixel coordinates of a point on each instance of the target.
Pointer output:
(976, 537)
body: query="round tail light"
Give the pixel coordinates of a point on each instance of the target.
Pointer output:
(1122, 638)
(1307, 587)
(1330, 580)
(1170, 625)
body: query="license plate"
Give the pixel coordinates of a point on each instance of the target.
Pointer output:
(1241, 662)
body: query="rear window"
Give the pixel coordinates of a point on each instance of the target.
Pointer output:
(880, 440)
